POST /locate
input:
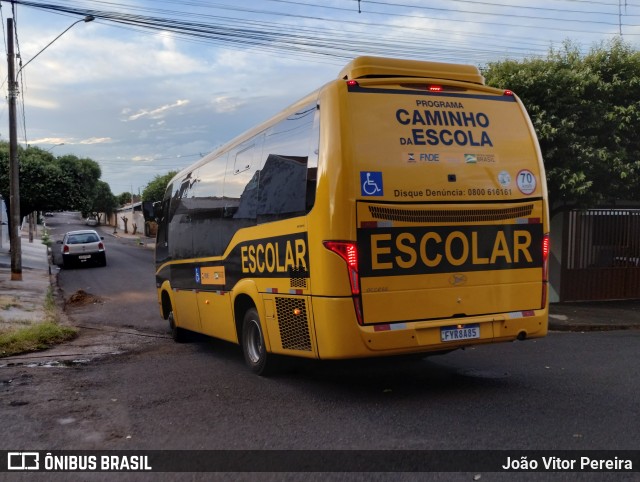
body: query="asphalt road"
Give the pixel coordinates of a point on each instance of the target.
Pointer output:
(568, 391)
(125, 287)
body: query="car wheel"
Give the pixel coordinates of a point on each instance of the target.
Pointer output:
(255, 351)
(178, 334)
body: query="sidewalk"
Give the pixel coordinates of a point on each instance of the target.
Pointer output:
(34, 255)
(595, 315)
(140, 239)
(22, 302)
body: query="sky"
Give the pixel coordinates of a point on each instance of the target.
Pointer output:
(152, 86)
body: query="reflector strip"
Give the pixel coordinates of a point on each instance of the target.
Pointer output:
(295, 292)
(528, 221)
(272, 290)
(521, 314)
(376, 224)
(390, 327)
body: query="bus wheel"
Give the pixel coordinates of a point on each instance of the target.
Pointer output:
(253, 347)
(177, 333)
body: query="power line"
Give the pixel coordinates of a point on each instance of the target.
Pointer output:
(265, 36)
(307, 35)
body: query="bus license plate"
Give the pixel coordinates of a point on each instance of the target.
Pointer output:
(461, 332)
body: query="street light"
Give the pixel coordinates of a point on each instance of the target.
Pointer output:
(14, 180)
(88, 18)
(53, 147)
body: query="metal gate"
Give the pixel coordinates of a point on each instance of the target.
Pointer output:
(601, 255)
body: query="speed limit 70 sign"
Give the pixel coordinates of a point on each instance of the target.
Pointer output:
(526, 181)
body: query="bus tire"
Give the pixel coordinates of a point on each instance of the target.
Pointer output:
(178, 334)
(255, 351)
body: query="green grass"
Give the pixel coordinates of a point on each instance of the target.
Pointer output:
(37, 336)
(34, 338)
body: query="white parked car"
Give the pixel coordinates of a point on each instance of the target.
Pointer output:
(91, 221)
(83, 247)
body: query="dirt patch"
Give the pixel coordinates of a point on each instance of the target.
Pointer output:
(81, 298)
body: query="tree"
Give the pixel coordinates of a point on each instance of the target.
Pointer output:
(125, 198)
(103, 201)
(154, 191)
(83, 176)
(585, 110)
(49, 183)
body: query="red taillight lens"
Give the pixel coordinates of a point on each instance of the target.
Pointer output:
(348, 251)
(65, 249)
(508, 93)
(546, 247)
(100, 246)
(435, 88)
(352, 83)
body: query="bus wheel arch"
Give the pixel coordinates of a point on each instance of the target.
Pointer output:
(165, 304)
(241, 305)
(259, 360)
(251, 336)
(178, 334)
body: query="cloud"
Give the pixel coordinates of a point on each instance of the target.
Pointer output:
(49, 140)
(225, 104)
(94, 140)
(59, 141)
(157, 113)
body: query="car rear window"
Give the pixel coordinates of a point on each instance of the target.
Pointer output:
(83, 238)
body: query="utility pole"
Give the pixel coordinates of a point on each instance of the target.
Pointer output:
(14, 166)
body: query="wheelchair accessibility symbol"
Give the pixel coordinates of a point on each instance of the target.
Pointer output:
(371, 183)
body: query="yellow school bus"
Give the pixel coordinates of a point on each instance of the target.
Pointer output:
(400, 209)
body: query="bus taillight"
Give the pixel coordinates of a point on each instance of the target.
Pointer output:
(348, 251)
(546, 248)
(435, 88)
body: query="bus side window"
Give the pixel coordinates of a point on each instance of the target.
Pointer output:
(283, 179)
(241, 181)
(312, 177)
(312, 165)
(162, 235)
(206, 205)
(240, 189)
(179, 244)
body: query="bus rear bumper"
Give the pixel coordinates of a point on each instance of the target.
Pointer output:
(339, 335)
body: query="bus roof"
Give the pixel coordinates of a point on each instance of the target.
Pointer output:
(366, 66)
